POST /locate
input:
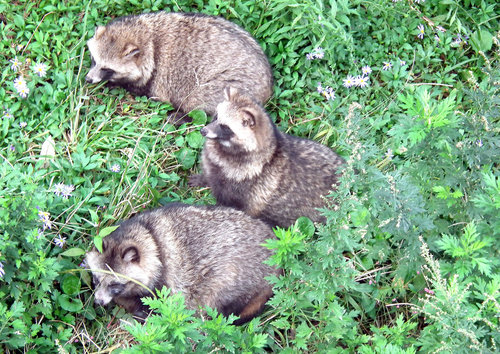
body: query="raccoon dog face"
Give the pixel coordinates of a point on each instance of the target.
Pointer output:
(136, 260)
(241, 123)
(114, 58)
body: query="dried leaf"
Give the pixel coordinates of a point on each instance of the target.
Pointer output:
(48, 150)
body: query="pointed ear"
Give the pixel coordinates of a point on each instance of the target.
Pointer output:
(249, 119)
(131, 254)
(99, 31)
(131, 51)
(230, 92)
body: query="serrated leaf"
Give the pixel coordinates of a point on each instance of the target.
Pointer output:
(360, 217)
(483, 265)
(281, 323)
(305, 226)
(17, 309)
(259, 341)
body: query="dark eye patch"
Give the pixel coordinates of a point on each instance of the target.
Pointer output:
(92, 61)
(116, 288)
(95, 281)
(225, 132)
(107, 73)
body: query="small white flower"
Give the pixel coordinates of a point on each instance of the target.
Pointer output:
(21, 87)
(349, 81)
(45, 218)
(319, 88)
(361, 81)
(63, 190)
(436, 37)
(402, 63)
(23, 124)
(115, 168)
(58, 188)
(16, 64)
(19, 47)
(2, 272)
(67, 191)
(319, 53)
(23, 91)
(40, 69)
(19, 82)
(328, 93)
(7, 114)
(60, 241)
(421, 31)
(366, 70)
(387, 65)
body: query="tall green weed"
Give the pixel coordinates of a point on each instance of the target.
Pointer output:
(406, 91)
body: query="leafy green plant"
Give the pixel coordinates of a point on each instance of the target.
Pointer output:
(469, 251)
(174, 328)
(452, 314)
(406, 91)
(29, 266)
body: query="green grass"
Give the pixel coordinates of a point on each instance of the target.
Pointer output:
(408, 259)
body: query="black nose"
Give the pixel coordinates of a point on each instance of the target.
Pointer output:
(88, 79)
(99, 302)
(203, 131)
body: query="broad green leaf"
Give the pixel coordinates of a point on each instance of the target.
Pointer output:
(73, 252)
(481, 40)
(199, 117)
(70, 304)
(107, 230)
(103, 233)
(71, 284)
(195, 139)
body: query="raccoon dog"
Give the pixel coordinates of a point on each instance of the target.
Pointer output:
(251, 166)
(184, 58)
(212, 255)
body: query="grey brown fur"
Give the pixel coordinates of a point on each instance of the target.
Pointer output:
(212, 255)
(183, 58)
(251, 166)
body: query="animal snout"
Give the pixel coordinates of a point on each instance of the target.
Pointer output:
(99, 302)
(204, 131)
